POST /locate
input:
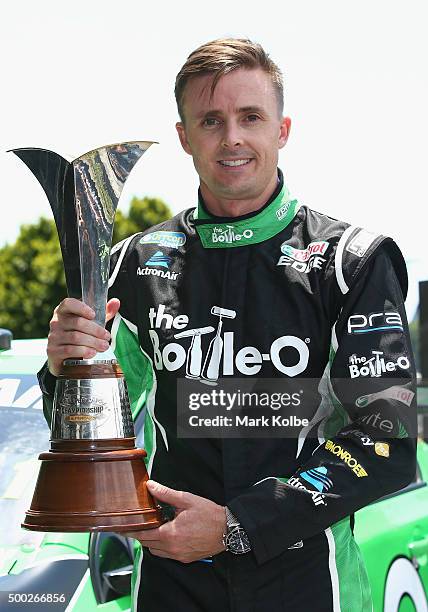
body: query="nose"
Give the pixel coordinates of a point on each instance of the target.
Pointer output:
(232, 136)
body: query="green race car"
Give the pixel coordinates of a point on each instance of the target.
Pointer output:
(393, 537)
(76, 572)
(88, 573)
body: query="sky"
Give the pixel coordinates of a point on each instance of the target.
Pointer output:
(78, 75)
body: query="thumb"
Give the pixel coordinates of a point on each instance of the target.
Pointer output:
(178, 499)
(112, 307)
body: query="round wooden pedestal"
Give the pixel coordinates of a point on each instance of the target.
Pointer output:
(91, 485)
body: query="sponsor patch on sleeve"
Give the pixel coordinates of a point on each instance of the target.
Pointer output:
(361, 242)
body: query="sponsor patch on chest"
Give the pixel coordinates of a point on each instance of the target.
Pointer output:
(304, 260)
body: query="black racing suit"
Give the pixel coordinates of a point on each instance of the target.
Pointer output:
(306, 297)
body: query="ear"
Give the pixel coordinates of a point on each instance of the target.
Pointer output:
(284, 131)
(181, 131)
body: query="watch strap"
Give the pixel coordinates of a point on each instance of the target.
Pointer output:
(231, 521)
(233, 525)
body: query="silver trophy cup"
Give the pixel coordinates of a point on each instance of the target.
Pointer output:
(93, 478)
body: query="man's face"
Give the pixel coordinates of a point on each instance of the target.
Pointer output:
(234, 135)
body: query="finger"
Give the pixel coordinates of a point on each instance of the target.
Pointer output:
(78, 339)
(70, 323)
(179, 499)
(57, 354)
(75, 337)
(76, 307)
(112, 307)
(145, 535)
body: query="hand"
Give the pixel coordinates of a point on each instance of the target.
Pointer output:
(195, 532)
(73, 334)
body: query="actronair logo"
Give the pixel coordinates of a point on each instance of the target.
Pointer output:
(317, 497)
(376, 365)
(318, 477)
(346, 457)
(161, 273)
(159, 259)
(228, 235)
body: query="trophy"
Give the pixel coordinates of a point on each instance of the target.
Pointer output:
(93, 478)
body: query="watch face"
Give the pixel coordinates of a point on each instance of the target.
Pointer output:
(238, 542)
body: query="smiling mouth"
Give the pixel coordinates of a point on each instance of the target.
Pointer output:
(234, 162)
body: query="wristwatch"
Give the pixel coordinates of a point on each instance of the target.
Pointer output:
(235, 539)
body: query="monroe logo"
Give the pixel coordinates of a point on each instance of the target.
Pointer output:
(376, 365)
(346, 457)
(210, 349)
(303, 260)
(229, 235)
(172, 240)
(161, 273)
(378, 321)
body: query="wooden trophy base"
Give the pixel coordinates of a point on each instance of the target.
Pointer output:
(92, 485)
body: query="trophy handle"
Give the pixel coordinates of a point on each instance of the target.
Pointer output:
(55, 175)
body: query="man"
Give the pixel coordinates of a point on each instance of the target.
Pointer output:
(260, 524)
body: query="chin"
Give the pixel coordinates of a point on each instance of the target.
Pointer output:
(238, 189)
(236, 194)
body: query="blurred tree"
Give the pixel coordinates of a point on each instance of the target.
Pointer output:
(32, 278)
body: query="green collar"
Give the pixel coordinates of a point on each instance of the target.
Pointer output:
(222, 234)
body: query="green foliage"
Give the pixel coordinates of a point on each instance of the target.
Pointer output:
(32, 278)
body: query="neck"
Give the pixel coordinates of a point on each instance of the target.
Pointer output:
(225, 207)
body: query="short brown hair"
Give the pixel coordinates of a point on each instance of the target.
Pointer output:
(221, 56)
